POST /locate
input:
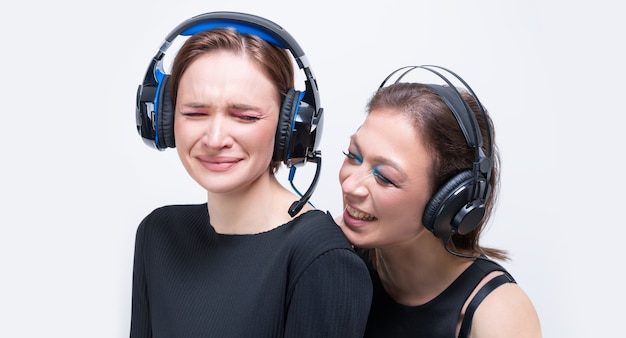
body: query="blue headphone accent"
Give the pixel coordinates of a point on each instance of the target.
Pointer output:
(242, 28)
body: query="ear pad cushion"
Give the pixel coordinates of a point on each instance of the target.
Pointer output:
(285, 125)
(446, 203)
(165, 120)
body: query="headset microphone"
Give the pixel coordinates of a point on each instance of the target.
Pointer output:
(297, 205)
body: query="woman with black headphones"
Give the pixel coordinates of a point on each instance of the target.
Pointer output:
(419, 183)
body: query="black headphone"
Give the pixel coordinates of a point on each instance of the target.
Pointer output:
(300, 121)
(459, 205)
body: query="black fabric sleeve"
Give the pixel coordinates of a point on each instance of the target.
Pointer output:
(140, 326)
(331, 298)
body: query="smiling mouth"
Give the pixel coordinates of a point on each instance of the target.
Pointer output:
(359, 214)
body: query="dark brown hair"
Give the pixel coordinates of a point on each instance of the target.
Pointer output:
(274, 61)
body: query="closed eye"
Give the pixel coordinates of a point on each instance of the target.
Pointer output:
(353, 157)
(247, 118)
(194, 114)
(381, 178)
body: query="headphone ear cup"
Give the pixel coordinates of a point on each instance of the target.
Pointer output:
(452, 209)
(143, 114)
(165, 118)
(285, 125)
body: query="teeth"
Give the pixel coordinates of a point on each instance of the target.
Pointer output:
(358, 214)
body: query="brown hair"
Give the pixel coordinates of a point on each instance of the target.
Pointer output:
(274, 61)
(446, 144)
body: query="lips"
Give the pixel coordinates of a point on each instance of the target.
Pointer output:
(357, 214)
(219, 163)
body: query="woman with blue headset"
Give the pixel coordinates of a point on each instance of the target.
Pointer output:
(246, 263)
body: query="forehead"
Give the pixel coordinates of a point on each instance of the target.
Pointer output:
(226, 73)
(390, 134)
(389, 127)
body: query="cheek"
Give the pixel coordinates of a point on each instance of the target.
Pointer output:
(182, 136)
(343, 172)
(257, 140)
(180, 133)
(405, 210)
(346, 177)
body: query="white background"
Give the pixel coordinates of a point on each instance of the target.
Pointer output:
(76, 179)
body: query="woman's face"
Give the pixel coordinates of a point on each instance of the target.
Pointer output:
(225, 121)
(384, 180)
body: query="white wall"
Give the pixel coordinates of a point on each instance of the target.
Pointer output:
(76, 178)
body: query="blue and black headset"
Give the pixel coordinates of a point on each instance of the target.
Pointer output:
(300, 121)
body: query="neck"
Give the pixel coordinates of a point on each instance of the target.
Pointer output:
(260, 207)
(416, 272)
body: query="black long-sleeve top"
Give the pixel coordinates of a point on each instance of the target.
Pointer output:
(301, 279)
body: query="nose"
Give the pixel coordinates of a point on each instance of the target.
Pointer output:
(353, 180)
(217, 133)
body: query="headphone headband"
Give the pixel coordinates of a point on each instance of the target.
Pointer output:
(452, 97)
(241, 22)
(244, 24)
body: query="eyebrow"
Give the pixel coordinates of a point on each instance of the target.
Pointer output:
(196, 105)
(382, 160)
(243, 107)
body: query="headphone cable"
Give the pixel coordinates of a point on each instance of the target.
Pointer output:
(446, 241)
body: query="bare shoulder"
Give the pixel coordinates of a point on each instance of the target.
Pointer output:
(506, 312)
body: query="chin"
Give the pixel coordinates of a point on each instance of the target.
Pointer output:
(352, 236)
(217, 185)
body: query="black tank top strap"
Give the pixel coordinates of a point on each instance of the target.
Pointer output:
(487, 266)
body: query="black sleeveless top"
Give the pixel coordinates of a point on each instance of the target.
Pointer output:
(437, 318)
